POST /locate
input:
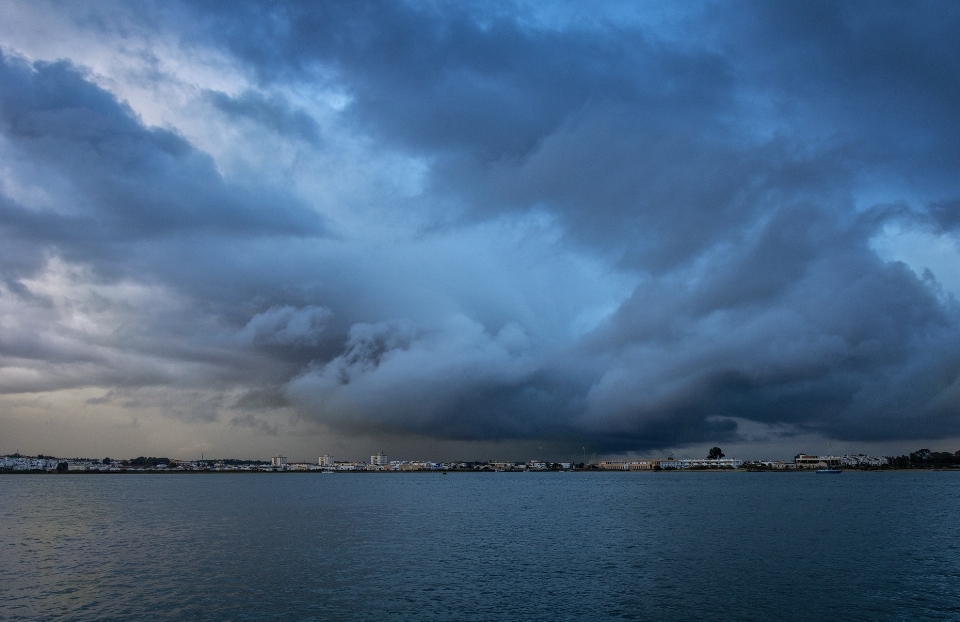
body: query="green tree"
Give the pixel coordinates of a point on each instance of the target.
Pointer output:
(715, 453)
(920, 457)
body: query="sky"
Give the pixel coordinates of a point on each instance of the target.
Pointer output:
(479, 230)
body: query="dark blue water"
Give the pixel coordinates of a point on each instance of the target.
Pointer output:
(524, 546)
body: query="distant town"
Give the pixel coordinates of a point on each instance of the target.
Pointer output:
(920, 459)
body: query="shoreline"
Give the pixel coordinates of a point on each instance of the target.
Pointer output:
(452, 471)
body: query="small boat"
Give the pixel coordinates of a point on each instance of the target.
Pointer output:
(827, 467)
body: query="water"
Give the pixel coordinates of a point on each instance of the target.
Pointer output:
(479, 546)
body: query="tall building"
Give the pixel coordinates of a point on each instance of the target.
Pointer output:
(379, 459)
(325, 461)
(278, 461)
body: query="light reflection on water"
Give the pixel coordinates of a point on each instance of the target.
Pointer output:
(498, 546)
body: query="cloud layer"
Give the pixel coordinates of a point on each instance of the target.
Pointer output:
(486, 222)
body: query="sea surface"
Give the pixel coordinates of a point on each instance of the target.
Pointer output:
(481, 546)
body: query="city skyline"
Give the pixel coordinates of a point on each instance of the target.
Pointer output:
(479, 230)
(716, 459)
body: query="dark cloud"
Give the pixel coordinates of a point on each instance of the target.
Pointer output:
(946, 214)
(103, 399)
(258, 423)
(119, 180)
(273, 112)
(604, 230)
(435, 78)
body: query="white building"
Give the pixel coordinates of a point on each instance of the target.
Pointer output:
(807, 461)
(278, 462)
(862, 460)
(379, 459)
(626, 465)
(325, 461)
(720, 463)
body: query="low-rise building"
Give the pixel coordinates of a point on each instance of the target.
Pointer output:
(778, 465)
(807, 461)
(706, 463)
(626, 465)
(863, 460)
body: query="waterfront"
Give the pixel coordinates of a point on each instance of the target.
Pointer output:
(550, 546)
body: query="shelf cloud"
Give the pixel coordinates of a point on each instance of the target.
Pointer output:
(484, 222)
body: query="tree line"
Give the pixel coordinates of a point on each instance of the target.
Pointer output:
(926, 459)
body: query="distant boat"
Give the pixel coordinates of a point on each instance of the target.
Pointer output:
(828, 468)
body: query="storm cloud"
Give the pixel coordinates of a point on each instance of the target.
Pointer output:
(487, 222)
